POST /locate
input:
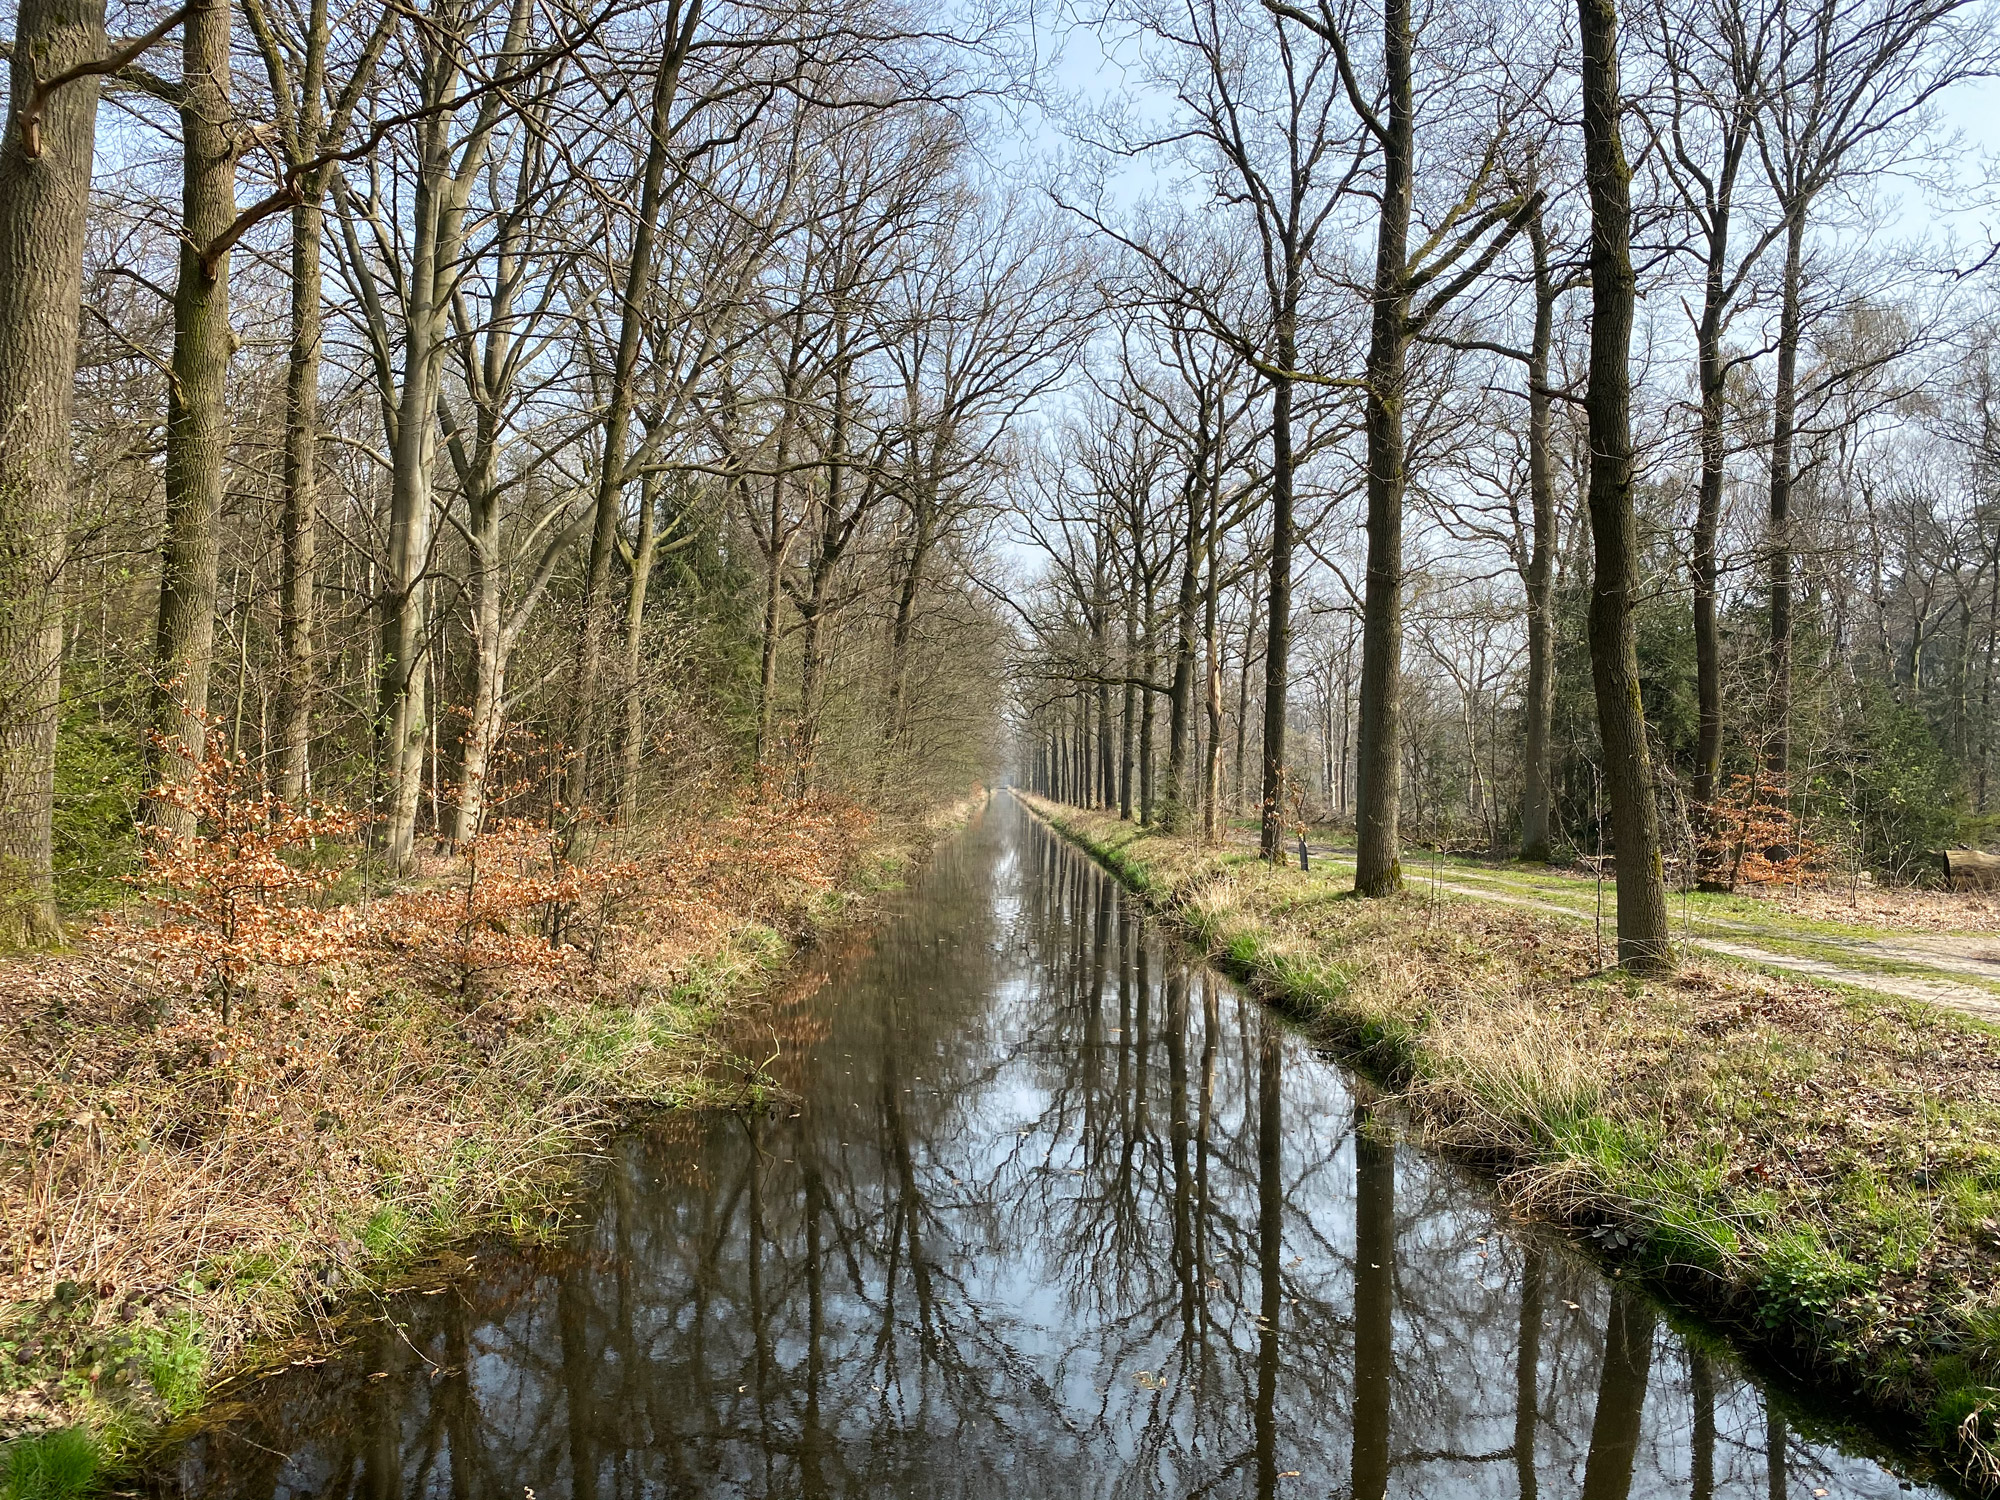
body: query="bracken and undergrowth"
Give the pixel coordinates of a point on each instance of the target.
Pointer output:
(257, 1091)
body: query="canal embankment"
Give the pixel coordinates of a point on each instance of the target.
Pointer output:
(1814, 1169)
(183, 1188)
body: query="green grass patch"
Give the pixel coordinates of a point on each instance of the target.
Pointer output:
(176, 1365)
(59, 1465)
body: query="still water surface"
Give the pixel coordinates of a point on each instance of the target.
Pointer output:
(1059, 1213)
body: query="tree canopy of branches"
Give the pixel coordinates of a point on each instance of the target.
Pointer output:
(479, 408)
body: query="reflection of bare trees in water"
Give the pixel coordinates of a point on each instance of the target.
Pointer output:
(1061, 1215)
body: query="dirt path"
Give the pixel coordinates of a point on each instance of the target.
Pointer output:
(1945, 956)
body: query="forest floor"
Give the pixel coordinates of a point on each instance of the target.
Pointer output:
(177, 1190)
(1814, 1167)
(1938, 946)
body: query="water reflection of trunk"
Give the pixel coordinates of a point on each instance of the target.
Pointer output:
(1124, 1017)
(1093, 1017)
(1701, 1390)
(453, 1411)
(1211, 1025)
(579, 1363)
(382, 1461)
(812, 1440)
(1527, 1370)
(1142, 996)
(896, 1141)
(1270, 1248)
(1374, 1305)
(1774, 1451)
(753, 1264)
(1621, 1397)
(637, 1394)
(1177, 1083)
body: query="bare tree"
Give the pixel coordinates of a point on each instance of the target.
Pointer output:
(1643, 941)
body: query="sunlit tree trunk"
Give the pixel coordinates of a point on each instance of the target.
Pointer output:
(1378, 869)
(1541, 687)
(44, 200)
(1614, 653)
(198, 421)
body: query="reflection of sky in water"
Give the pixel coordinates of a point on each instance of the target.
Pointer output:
(1019, 1242)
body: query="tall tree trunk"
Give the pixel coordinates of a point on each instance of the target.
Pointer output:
(301, 518)
(1128, 719)
(816, 610)
(1784, 404)
(489, 661)
(1278, 632)
(1378, 869)
(44, 200)
(197, 411)
(307, 133)
(1180, 700)
(1211, 772)
(1147, 770)
(1243, 695)
(447, 170)
(632, 731)
(1100, 636)
(923, 533)
(774, 592)
(1614, 651)
(403, 696)
(1707, 526)
(1982, 777)
(1536, 792)
(682, 17)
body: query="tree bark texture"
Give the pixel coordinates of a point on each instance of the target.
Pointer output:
(44, 198)
(1614, 654)
(1180, 709)
(1537, 792)
(1378, 869)
(301, 518)
(198, 423)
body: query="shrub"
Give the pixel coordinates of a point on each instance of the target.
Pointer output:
(241, 890)
(1906, 792)
(521, 912)
(98, 777)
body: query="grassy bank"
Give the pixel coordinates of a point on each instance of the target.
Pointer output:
(178, 1188)
(1817, 1170)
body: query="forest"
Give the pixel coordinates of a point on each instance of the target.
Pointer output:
(521, 518)
(513, 412)
(1546, 454)
(1452, 424)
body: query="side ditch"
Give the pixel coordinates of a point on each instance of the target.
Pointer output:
(1813, 1173)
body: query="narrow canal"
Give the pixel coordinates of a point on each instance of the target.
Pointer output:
(1058, 1213)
